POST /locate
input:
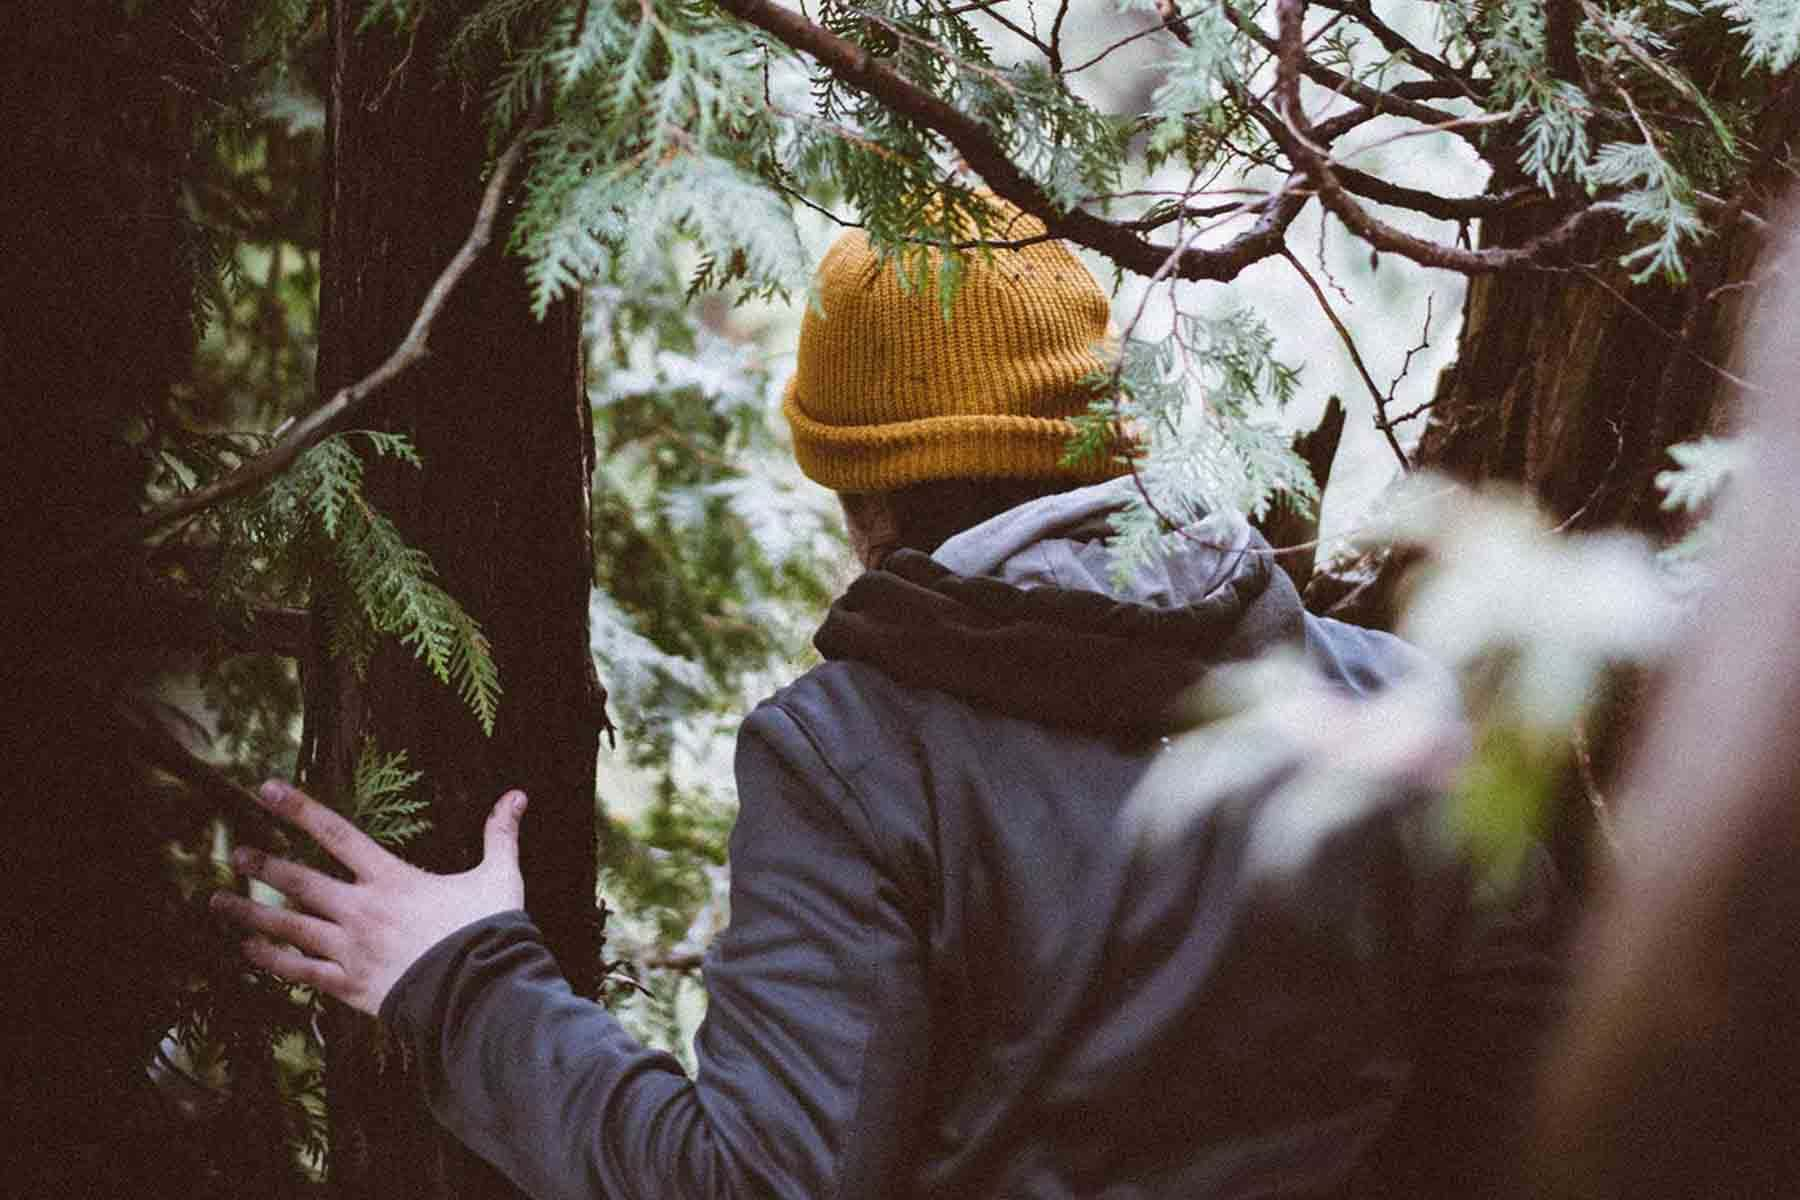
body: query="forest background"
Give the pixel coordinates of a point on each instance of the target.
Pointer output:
(389, 377)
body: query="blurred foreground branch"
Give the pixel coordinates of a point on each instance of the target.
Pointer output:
(1667, 1080)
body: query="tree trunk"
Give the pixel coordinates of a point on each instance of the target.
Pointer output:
(1573, 382)
(499, 415)
(95, 327)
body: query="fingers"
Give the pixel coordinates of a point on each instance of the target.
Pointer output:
(500, 838)
(310, 889)
(320, 939)
(296, 967)
(336, 836)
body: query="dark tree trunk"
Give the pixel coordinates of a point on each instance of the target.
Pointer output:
(499, 415)
(94, 327)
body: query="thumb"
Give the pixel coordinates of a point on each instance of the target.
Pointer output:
(500, 840)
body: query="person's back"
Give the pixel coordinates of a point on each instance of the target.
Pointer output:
(967, 956)
(1063, 1003)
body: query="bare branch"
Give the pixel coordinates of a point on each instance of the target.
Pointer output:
(1062, 12)
(1395, 43)
(1401, 100)
(1106, 51)
(156, 745)
(1445, 208)
(1381, 420)
(1296, 138)
(1406, 363)
(332, 415)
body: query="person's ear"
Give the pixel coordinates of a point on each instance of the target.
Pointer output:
(873, 524)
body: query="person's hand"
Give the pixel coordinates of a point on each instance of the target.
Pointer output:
(354, 939)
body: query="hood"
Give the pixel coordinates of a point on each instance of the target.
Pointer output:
(1021, 615)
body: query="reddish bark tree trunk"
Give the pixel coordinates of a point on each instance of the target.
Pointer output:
(499, 415)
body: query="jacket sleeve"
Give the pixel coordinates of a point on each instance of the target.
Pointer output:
(1484, 1006)
(808, 1082)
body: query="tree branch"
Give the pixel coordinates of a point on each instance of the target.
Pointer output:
(1381, 418)
(1296, 138)
(1397, 44)
(182, 615)
(157, 746)
(855, 67)
(1401, 100)
(331, 416)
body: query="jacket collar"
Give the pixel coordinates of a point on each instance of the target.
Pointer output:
(1024, 614)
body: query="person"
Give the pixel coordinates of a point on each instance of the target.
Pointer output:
(953, 967)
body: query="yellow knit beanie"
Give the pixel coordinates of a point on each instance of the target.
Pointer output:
(888, 393)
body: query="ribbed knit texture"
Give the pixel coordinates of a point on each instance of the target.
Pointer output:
(888, 393)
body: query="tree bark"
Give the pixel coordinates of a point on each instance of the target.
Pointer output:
(499, 415)
(94, 325)
(1572, 382)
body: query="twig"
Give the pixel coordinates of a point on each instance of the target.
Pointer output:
(1326, 270)
(1413, 413)
(331, 416)
(1108, 50)
(1424, 344)
(1025, 35)
(1606, 478)
(1381, 421)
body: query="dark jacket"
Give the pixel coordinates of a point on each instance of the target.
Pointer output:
(955, 965)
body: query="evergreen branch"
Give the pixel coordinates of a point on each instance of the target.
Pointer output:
(1297, 140)
(381, 803)
(332, 415)
(1401, 100)
(856, 67)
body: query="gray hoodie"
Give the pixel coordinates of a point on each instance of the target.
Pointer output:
(954, 970)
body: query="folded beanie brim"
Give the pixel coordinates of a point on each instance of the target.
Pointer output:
(896, 454)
